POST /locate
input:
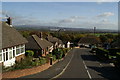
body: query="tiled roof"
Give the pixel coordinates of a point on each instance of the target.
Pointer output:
(34, 42)
(10, 36)
(54, 39)
(89, 40)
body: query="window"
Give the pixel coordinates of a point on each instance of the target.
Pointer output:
(6, 56)
(18, 50)
(10, 54)
(13, 53)
(22, 50)
(0, 55)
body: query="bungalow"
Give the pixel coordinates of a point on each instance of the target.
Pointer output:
(88, 40)
(13, 45)
(57, 42)
(40, 46)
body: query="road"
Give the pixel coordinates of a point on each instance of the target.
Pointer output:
(81, 64)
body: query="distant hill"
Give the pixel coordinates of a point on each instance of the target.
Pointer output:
(53, 28)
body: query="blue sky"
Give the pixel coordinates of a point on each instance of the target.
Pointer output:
(63, 14)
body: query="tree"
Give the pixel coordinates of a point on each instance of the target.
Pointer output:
(103, 38)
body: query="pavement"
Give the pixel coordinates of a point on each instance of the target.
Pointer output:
(78, 64)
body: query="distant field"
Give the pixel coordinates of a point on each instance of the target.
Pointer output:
(98, 34)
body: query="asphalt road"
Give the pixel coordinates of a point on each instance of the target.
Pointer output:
(79, 64)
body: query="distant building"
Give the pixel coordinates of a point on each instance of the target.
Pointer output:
(13, 45)
(40, 46)
(68, 44)
(57, 42)
(88, 40)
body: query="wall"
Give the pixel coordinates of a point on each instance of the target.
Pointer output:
(20, 57)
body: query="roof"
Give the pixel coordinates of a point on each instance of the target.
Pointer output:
(11, 37)
(54, 39)
(89, 40)
(34, 42)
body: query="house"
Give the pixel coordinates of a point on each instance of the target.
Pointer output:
(40, 46)
(68, 44)
(88, 40)
(57, 42)
(13, 45)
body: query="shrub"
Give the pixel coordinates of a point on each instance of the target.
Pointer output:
(42, 60)
(26, 63)
(65, 50)
(54, 57)
(29, 53)
(117, 61)
(102, 53)
(58, 53)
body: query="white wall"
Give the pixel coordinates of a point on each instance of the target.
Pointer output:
(11, 59)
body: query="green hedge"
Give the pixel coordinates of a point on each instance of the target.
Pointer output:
(117, 61)
(102, 53)
(59, 53)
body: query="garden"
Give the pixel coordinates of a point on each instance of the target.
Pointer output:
(30, 61)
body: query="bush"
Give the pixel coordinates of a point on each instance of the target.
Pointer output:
(26, 63)
(29, 53)
(65, 50)
(54, 57)
(58, 53)
(43, 60)
(117, 61)
(102, 53)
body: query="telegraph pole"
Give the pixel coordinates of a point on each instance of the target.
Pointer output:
(94, 30)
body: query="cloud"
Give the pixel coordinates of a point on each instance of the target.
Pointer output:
(67, 21)
(105, 14)
(78, 17)
(71, 19)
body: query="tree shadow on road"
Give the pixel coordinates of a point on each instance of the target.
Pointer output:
(90, 57)
(109, 73)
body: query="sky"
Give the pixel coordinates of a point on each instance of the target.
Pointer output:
(102, 15)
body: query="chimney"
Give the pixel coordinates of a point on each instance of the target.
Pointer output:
(9, 21)
(41, 36)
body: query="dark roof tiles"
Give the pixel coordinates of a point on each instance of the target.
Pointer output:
(89, 40)
(34, 42)
(10, 36)
(54, 39)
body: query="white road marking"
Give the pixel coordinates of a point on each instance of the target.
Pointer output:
(87, 70)
(63, 69)
(89, 74)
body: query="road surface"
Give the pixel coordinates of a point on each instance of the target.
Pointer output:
(79, 64)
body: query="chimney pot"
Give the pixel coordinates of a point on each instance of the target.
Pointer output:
(41, 35)
(9, 21)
